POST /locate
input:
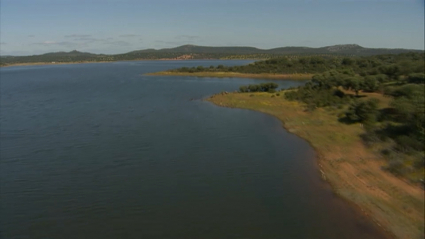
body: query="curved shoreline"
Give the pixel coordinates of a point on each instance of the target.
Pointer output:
(300, 77)
(352, 171)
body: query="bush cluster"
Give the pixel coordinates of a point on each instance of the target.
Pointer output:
(382, 67)
(402, 123)
(264, 87)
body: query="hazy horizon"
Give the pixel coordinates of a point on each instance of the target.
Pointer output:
(192, 45)
(111, 26)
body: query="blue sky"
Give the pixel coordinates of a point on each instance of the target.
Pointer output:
(118, 26)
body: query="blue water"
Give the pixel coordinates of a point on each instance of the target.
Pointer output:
(102, 151)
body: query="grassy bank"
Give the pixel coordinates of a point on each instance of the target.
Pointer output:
(353, 170)
(235, 74)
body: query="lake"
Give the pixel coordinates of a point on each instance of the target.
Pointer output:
(102, 151)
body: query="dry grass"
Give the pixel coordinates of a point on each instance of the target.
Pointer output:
(384, 101)
(353, 170)
(235, 74)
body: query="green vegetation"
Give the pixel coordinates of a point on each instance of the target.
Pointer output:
(340, 82)
(353, 169)
(218, 74)
(378, 69)
(264, 87)
(365, 117)
(397, 129)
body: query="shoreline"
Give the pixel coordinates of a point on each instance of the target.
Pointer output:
(56, 63)
(318, 157)
(299, 77)
(353, 172)
(86, 62)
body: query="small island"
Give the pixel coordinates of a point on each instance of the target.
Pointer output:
(289, 67)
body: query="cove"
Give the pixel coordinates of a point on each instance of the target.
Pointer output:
(103, 151)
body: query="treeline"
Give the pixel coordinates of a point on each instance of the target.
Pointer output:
(75, 56)
(264, 87)
(308, 56)
(398, 128)
(390, 65)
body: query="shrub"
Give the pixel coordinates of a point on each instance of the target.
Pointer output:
(370, 84)
(418, 78)
(243, 89)
(264, 87)
(419, 162)
(395, 166)
(363, 111)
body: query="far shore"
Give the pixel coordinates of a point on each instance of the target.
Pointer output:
(51, 63)
(235, 75)
(84, 62)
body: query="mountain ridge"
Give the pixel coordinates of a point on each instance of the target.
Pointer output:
(190, 51)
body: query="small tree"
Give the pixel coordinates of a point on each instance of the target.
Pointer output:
(347, 61)
(243, 89)
(392, 71)
(253, 88)
(370, 84)
(352, 83)
(418, 78)
(363, 111)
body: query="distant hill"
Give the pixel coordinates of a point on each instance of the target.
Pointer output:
(72, 56)
(202, 52)
(348, 49)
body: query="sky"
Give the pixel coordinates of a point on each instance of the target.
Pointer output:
(30, 27)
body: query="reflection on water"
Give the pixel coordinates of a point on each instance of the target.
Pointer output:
(101, 151)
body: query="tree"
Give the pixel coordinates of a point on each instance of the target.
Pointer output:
(418, 78)
(353, 83)
(253, 88)
(392, 71)
(264, 87)
(409, 91)
(381, 78)
(363, 111)
(370, 84)
(243, 89)
(347, 61)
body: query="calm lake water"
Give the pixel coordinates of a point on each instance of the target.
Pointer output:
(101, 151)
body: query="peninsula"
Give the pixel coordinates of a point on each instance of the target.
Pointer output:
(365, 118)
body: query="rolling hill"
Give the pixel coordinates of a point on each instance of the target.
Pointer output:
(201, 52)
